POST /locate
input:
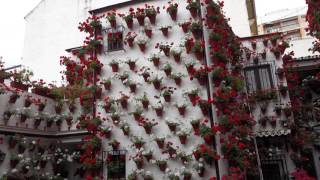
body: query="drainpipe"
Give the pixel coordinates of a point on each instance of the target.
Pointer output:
(213, 116)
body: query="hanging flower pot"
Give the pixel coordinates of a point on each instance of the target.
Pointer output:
(124, 103)
(37, 122)
(107, 85)
(254, 45)
(146, 76)
(287, 111)
(165, 30)
(182, 110)
(196, 29)
(21, 148)
(188, 44)
(167, 69)
(183, 139)
(140, 17)
(190, 69)
(283, 90)
(27, 102)
(139, 163)
(172, 127)
(147, 129)
(49, 123)
(23, 118)
(264, 55)
(173, 10)
(133, 88)
(193, 11)
(167, 97)
(132, 65)
(129, 23)
(162, 166)
(160, 143)
(157, 83)
(114, 66)
(152, 18)
(148, 32)
(265, 42)
(177, 80)
(159, 111)
(113, 23)
(208, 139)
(13, 98)
(280, 73)
(13, 163)
(142, 47)
(201, 171)
(19, 85)
(277, 110)
(273, 122)
(185, 26)
(42, 163)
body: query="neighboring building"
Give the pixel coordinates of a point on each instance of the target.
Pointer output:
(291, 22)
(51, 27)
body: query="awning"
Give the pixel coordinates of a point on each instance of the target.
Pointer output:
(273, 132)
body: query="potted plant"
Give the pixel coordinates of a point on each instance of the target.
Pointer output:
(138, 159)
(162, 164)
(167, 68)
(206, 133)
(115, 116)
(193, 6)
(185, 26)
(151, 13)
(188, 44)
(148, 31)
(140, 15)
(172, 9)
(155, 59)
(123, 100)
(13, 97)
(183, 134)
(172, 125)
(165, 30)
(144, 100)
(130, 38)
(265, 42)
(199, 166)
(141, 40)
(21, 79)
(132, 85)
(148, 125)
(147, 175)
(6, 116)
(264, 54)
(187, 175)
(196, 29)
(190, 67)
(114, 65)
(106, 83)
(176, 52)
(114, 144)
(156, 81)
(193, 95)
(167, 92)
(181, 108)
(125, 128)
(38, 118)
(111, 17)
(198, 49)
(160, 141)
(24, 113)
(137, 113)
(159, 109)
(131, 63)
(195, 123)
(177, 77)
(128, 18)
(165, 47)
(138, 142)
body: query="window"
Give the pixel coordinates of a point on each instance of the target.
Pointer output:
(116, 165)
(115, 39)
(258, 78)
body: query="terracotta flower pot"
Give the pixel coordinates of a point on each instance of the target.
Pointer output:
(177, 58)
(160, 143)
(142, 47)
(197, 33)
(141, 20)
(192, 97)
(130, 42)
(132, 65)
(139, 164)
(27, 102)
(199, 55)
(148, 32)
(137, 117)
(172, 127)
(165, 31)
(146, 76)
(124, 103)
(162, 167)
(177, 80)
(19, 86)
(113, 23)
(157, 84)
(145, 104)
(156, 62)
(159, 111)
(196, 155)
(195, 126)
(193, 12)
(202, 80)
(37, 123)
(185, 27)
(201, 172)
(183, 139)
(133, 88)
(49, 124)
(182, 110)
(41, 107)
(188, 48)
(58, 109)
(152, 18)
(166, 51)
(168, 71)
(115, 67)
(208, 139)
(167, 97)
(190, 69)
(129, 23)
(173, 14)
(148, 130)
(107, 86)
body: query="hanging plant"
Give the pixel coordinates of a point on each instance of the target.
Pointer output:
(148, 125)
(278, 109)
(176, 52)
(190, 67)
(159, 109)
(177, 77)
(142, 41)
(156, 81)
(167, 68)
(131, 63)
(144, 72)
(172, 9)
(205, 107)
(130, 38)
(202, 75)
(13, 97)
(140, 15)
(123, 100)
(166, 93)
(111, 17)
(151, 13)
(198, 49)
(114, 65)
(185, 26)
(193, 6)
(195, 123)
(160, 141)
(172, 125)
(183, 134)
(165, 47)
(125, 128)
(148, 31)
(188, 43)
(162, 164)
(155, 59)
(144, 101)
(165, 30)
(128, 18)
(207, 133)
(181, 109)
(138, 142)
(106, 83)
(137, 114)
(196, 29)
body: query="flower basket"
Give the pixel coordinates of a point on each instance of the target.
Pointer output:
(19, 85)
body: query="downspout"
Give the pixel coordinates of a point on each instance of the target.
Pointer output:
(213, 116)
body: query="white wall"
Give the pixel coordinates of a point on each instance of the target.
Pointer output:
(52, 27)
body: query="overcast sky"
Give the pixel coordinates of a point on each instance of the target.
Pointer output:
(12, 22)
